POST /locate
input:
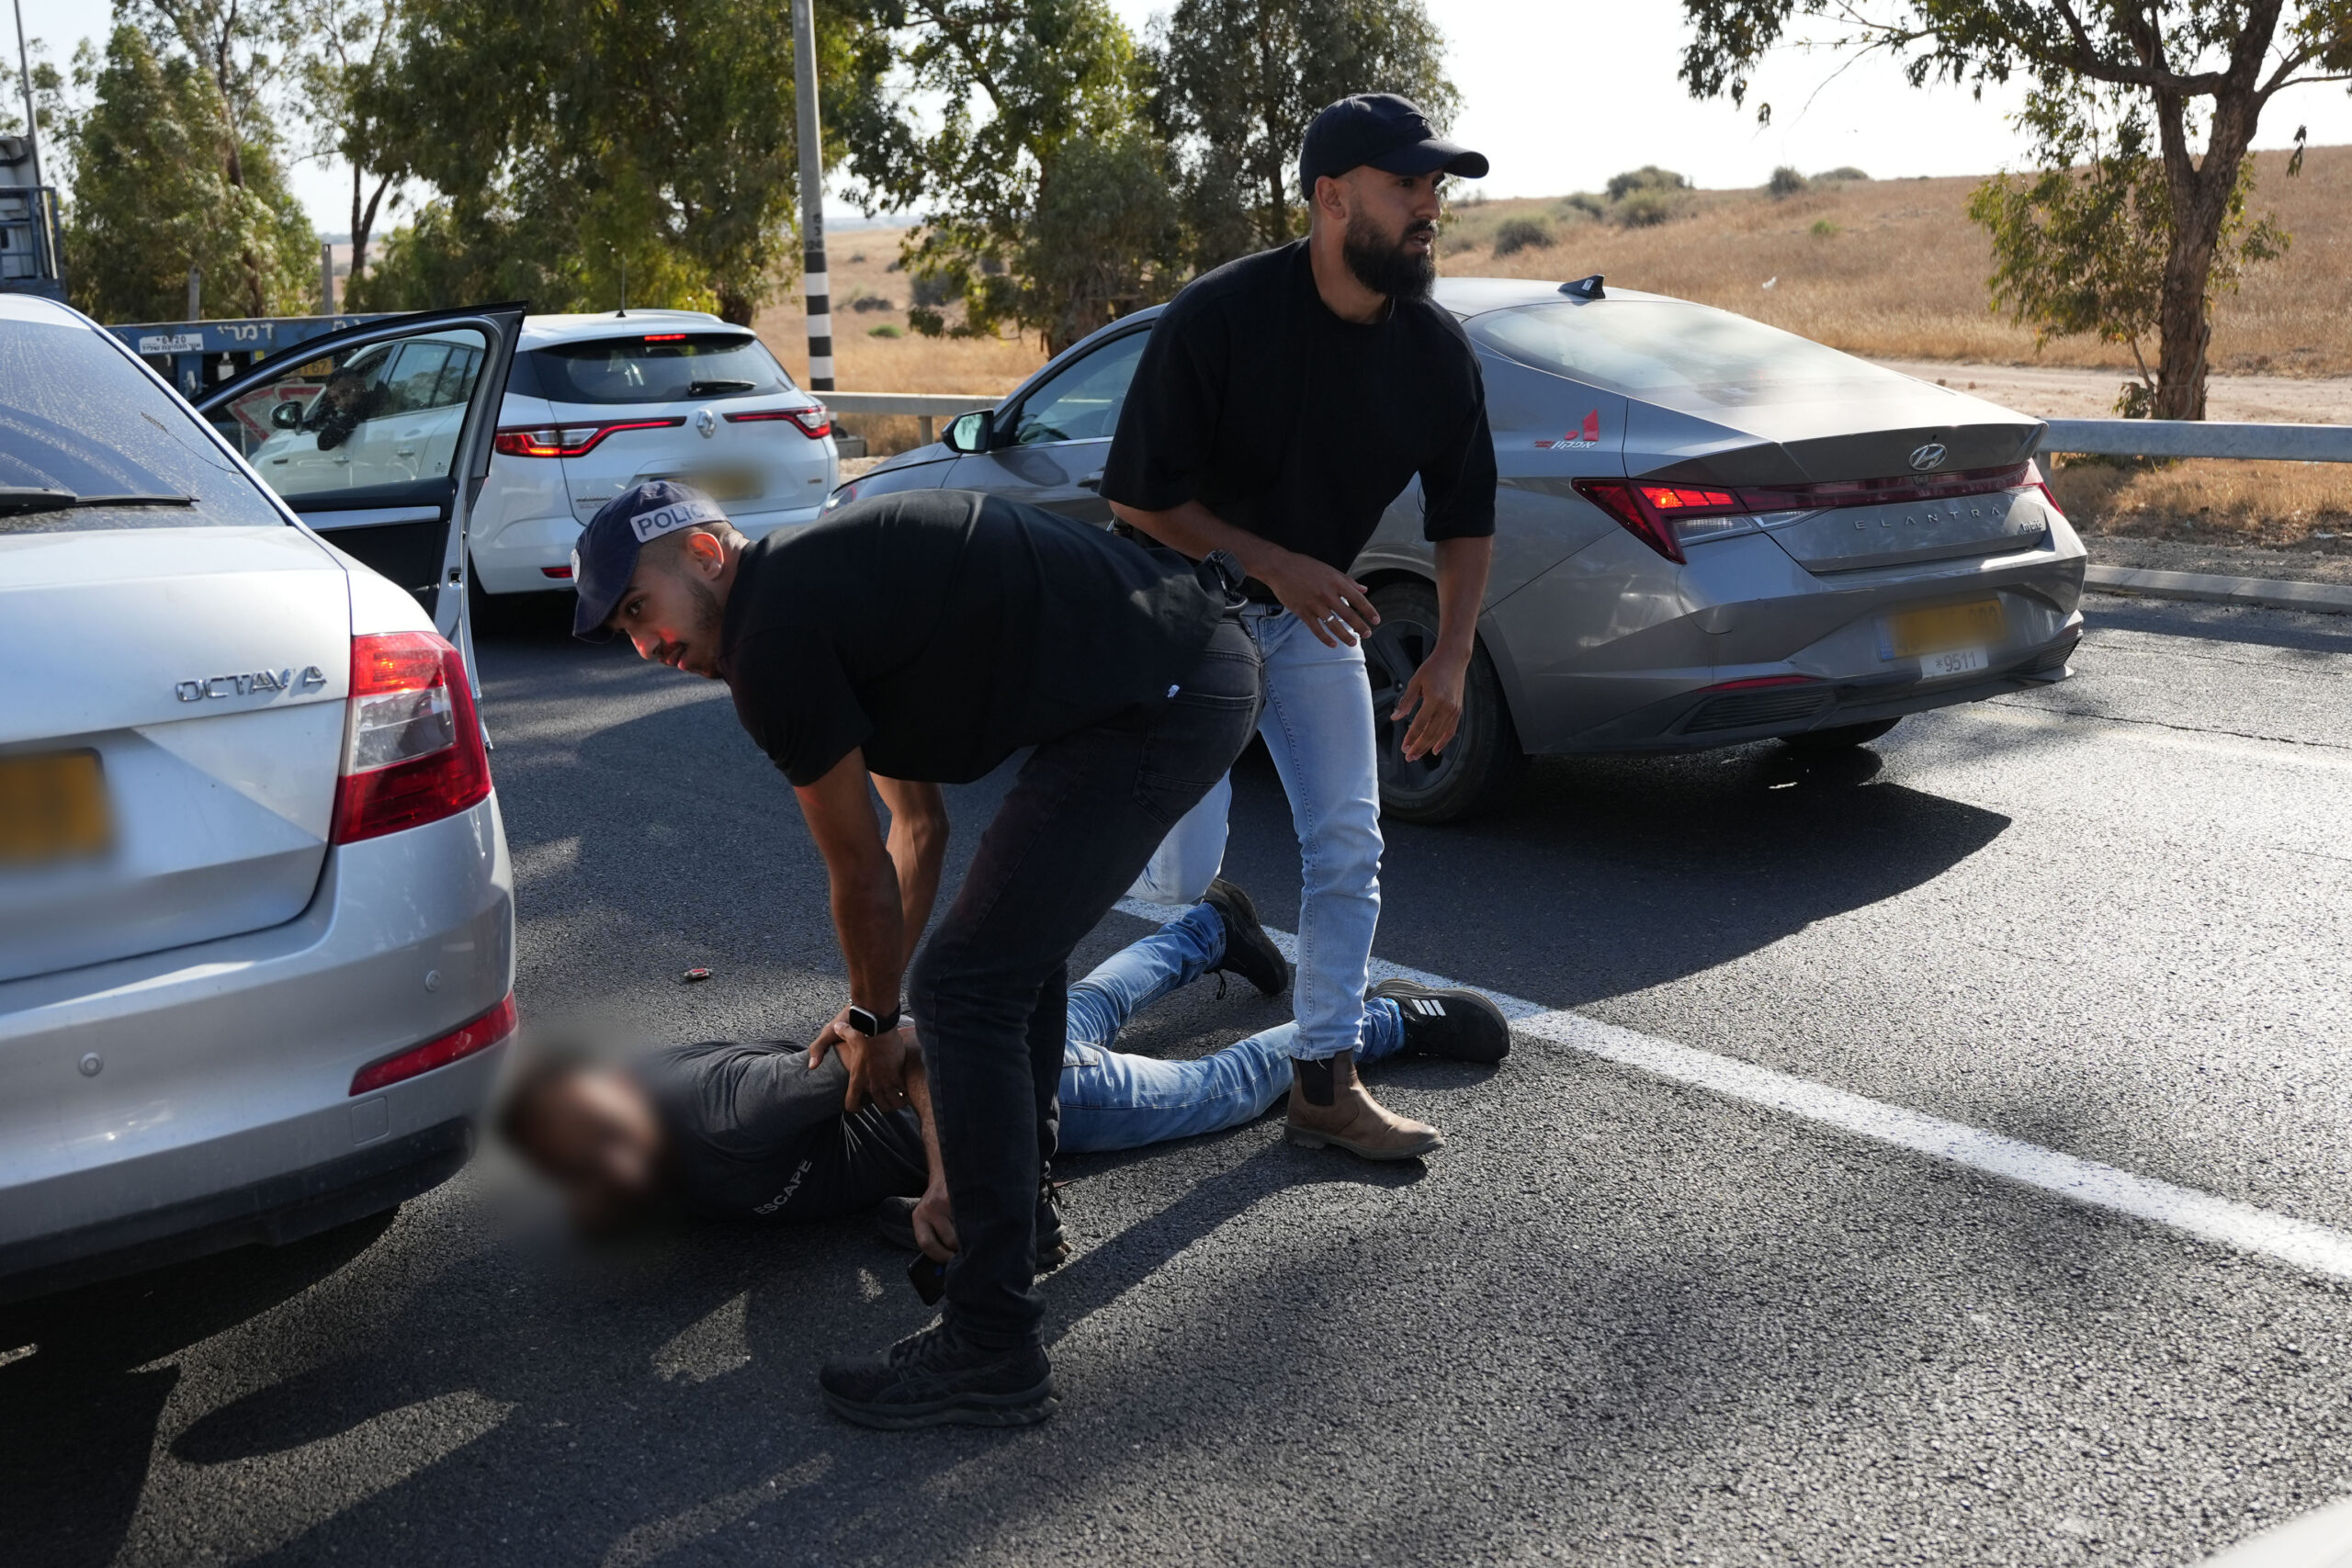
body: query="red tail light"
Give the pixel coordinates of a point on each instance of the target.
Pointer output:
(810, 423)
(1665, 516)
(568, 440)
(479, 1035)
(412, 749)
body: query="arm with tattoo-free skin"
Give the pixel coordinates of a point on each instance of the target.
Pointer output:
(934, 1218)
(870, 920)
(1434, 696)
(917, 845)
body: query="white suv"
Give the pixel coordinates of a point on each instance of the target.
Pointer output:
(597, 403)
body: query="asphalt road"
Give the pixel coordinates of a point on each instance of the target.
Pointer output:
(1618, 1320)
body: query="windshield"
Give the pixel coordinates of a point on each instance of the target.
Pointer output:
(1690, 357)
(77, 416)
(659, 367)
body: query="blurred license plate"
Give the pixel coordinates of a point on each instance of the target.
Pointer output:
(721, 484)
(1945, 628)
(53, 807)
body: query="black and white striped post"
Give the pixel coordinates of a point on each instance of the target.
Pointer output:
(814, 283)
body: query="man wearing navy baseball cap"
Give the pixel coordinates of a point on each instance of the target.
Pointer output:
(913, 640)
(1283, 402)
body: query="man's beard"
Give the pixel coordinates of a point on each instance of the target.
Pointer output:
(710, 618)
(1385, 266)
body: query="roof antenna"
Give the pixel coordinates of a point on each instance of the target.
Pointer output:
(624, 306)
(1584, 287)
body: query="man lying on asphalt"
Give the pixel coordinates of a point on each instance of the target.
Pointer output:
(927, 637)
(1283, 402)
(754, 1132)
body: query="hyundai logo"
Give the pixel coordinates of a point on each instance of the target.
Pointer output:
(1931, 456)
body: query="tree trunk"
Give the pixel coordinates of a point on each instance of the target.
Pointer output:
(363, 220)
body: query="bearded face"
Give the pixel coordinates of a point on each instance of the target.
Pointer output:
(1397, 257)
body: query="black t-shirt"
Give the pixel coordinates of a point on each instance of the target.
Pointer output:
(943, 630)
(1255, 401)
(754, 1133)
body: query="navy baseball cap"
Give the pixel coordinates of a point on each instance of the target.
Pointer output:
(1386, 131)
(605, 558)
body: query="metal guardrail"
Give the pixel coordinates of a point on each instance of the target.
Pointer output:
(926, 407)
(2200, 438)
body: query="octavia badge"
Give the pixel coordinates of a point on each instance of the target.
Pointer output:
(1931, 456)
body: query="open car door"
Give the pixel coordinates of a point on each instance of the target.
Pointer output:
(380, 437)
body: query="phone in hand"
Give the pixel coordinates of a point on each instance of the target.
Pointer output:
(929, 1279)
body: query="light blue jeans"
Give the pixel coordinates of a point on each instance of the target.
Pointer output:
(1318, 725)
(1111, 1100)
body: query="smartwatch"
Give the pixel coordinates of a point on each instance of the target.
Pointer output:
(872, 1023)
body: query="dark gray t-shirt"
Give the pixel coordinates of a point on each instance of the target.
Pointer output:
(754, 1133)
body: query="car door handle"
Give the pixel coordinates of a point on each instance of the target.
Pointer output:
(405, 452)
(1092, 481)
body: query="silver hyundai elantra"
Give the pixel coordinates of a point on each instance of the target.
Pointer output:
(256, 916)
(1709, 532)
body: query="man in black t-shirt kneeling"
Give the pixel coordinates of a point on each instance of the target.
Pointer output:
(919, 639)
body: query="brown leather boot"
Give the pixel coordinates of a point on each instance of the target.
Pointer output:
(1330, 1105)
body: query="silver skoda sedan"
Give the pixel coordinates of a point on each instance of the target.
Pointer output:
(1709, 532)
(256, 926)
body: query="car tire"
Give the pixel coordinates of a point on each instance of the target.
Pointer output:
(1840, 738)
(1473, 773)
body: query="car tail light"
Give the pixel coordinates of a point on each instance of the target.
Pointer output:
(1668, 516)
(811, 423)
(479, 1034)
(843, 496)
(568, 440)
(561, 574)
(413, 751)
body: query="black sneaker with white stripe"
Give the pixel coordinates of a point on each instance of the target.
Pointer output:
(1460, 1026)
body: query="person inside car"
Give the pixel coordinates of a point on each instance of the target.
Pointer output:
(757, 1131)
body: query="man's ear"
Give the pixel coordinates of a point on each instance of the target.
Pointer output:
(704, 553)
(1332, 198)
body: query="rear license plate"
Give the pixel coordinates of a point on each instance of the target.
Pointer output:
(53, 807)
(722, 484)
(1943, 628)
(1954, 661)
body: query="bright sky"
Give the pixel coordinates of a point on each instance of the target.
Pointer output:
(1562, 94)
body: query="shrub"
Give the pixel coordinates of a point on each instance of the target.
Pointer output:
(1517, 235)
(1785, 181)
(1583, 203)
(1647, 208)
(1649, 176)
(868, 303)
(886, 330)
(1843, 172)
(1823, 229)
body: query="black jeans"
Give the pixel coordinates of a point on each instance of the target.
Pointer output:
(991, 986)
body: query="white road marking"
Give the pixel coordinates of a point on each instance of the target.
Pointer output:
(2315, 1249)
(2320, 1539)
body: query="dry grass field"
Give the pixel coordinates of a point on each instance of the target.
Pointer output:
(1888, 268)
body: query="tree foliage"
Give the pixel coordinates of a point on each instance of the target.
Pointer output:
(2153, 74)
(174, 161)
(574, 143)
(349, 48)
(1240, 80)
(1045, 204)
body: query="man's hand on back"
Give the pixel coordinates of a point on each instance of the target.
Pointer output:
(876, 1063)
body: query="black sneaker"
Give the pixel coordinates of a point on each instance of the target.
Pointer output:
(1460, 1026)
(937, 1378)
(894, 1219)
(1248, 951)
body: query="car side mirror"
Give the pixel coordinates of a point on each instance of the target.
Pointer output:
(971, 432)
(286, 415)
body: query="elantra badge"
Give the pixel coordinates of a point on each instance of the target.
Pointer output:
(1931, 456)
(249, 683)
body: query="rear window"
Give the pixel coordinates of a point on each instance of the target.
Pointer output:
(659, 367)
(76, 414)
(1690, 357)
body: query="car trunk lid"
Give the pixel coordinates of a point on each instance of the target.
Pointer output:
(207, 717)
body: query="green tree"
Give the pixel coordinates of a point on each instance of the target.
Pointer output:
(574, 143)
(2080, 249)
(348, 48)
(164, 179)
(1240, 80)
(1044, 201)
(2176, 70)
